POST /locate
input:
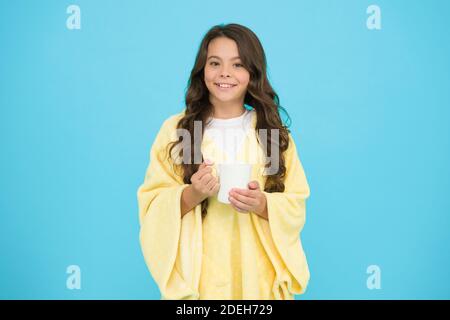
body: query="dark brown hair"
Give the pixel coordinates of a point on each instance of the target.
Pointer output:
(260, 96)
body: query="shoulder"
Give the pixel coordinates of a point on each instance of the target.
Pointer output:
(292, 147)
(171, 122)
(169, 125)
(251, 118)
(167, 131)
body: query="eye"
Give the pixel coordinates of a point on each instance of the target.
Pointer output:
(238, 64)
(213, 63)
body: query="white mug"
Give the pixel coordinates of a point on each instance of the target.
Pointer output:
(232, 175)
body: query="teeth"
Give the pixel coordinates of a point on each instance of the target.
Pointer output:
(225, 85)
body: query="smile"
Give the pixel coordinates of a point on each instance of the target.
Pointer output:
(225, 85)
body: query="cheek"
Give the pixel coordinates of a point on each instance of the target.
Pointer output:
(209, 75)
(244, 78)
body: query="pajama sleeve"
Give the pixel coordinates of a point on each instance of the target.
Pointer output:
(171, 245)
(280, 235)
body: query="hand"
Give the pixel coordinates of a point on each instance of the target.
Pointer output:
(204, 184)
(249, 200)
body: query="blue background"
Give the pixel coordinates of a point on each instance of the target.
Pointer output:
(81, 108)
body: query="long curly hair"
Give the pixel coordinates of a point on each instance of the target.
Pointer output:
(260, 96)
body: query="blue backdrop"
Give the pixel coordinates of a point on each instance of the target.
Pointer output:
(80, 109)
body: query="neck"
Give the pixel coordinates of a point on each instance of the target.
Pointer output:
(228, 110)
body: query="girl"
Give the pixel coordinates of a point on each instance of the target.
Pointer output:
(195, 246)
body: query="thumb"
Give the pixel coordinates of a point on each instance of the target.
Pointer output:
(253, 185)
(205, 163)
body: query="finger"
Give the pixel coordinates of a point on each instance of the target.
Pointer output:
(216, 188)
(244, 199)
(206, 179)
(211, 184)
(253, 185)
(235, 207)
(203, 172)
(201, 166)
(205, 164)
(246, 192)
(239, 205)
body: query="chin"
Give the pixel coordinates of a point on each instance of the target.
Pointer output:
(225, 99)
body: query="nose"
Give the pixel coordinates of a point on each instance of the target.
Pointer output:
(224, 73)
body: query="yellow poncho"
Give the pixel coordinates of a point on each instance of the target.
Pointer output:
(228, 255)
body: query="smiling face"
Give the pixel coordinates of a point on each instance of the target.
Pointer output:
(225, 76)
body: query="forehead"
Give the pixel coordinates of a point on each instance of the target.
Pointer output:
(223, 48)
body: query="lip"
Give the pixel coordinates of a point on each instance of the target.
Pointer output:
(224, 89)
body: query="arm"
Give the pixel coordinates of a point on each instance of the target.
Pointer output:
(264, 214)
(189, 199)
(170, 245)
(280, 233)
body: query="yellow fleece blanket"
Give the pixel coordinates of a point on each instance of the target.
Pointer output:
(229, 255)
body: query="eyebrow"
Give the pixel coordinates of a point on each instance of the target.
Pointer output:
(234, 58)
